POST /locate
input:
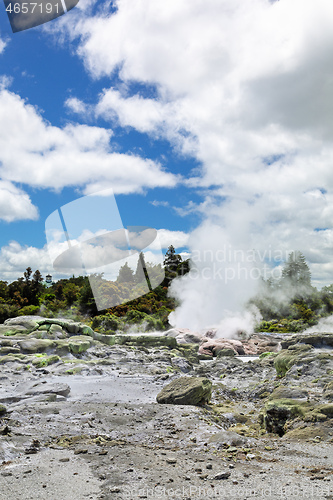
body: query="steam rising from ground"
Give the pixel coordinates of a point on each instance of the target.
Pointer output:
(223, 277)
(324, 325)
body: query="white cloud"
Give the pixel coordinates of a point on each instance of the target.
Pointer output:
(15, 204)
(166, 238)
(3, 44)
(38, 154)
(245, 88)
(76, 105)
(15, 258)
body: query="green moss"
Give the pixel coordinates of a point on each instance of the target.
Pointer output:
(286, 358)
(266, 354)
(45, 360)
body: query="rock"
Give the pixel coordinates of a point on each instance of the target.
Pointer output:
(11, 358)
(3, 409)
(146, 340)
(48, 388)
(213, 347)
(78, 344)
(228, 438)
(184, 335)
(186, 391)
(328, 390)
(12, 329)
(286, 358)
(277, 413)
(182, 363)
(26, 322)
(320, 339)
(40, 362)
(283, 392)
(222, 475)
(9, 350)
(35, 345)
(226, 352)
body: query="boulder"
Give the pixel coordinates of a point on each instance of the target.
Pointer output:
(78, 344)
(26, 322)
(186, 391)
(31, 346)
(48, 388)
(286, 358)
(227, 438)
(212, 347)
(226, 352)
(320, 339)
(328, 390)
(184, 335)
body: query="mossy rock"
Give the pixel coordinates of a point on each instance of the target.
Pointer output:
(286, 358)
(3, 409)
(226, 352)
(78, 344)
(328, 390)
(74, 371)
(186, 391)
(305, 433)
(146, 340)
(45, 361)
(326, 409)
(9, 350)
(320, 339)
(32, 346)
(277, 412)
(61, 347)
(10, 358)
(267, 354)
(283, 392)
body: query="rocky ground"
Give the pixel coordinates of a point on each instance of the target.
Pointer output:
(79, 416)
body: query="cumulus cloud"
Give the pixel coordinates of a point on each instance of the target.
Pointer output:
(34, 152)
(15, 204)
(76, 105)
(244, 88)
(15, 258)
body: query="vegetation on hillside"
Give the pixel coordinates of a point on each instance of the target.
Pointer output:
(73, 297)
(289, 304)
(292, 304)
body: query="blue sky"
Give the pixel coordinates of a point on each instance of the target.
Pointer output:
(45, 74)
(211, 121)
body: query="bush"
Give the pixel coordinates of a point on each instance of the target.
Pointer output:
(28, 311)
(105, 322)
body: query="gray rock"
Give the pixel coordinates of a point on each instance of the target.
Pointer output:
(182, 364)
(186, 391)
(35, 345)
(226, 352)
(48, 388)
(228, 438)
(27, 322)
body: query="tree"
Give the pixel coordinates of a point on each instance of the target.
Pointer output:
(171, 259)
(126, 274)
(296, 274)
(36, 286)
(171, 264)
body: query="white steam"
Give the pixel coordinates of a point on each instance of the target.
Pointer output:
(224, 276)
(324, 325)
